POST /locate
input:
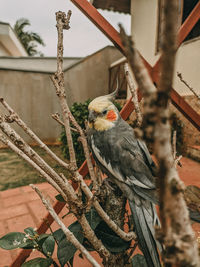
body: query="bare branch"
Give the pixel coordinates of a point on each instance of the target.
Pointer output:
(58, 81)
(134, 94)
(15, 117)
(69, 235)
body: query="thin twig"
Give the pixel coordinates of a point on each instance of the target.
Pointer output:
(56, 117)
(188, 86)
(69, 235)
(83, 140)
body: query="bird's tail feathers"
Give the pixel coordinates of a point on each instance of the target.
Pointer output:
(144, 218)
(194, 215)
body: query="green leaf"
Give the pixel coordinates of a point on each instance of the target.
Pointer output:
(59, 235)
(38, 262)
(31, 232)
(48, 246)
(42, 237)
(60, 198)
(139, 261)
(65, 248)
(110, 240)
(93, 218)
(13, 240)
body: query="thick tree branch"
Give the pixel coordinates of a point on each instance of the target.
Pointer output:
(180, 244)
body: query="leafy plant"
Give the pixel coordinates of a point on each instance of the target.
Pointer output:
(80, 113)
(30, 239)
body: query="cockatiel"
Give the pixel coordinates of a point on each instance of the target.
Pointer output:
(128, 162)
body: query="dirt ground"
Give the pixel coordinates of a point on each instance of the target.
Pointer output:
(15, 172)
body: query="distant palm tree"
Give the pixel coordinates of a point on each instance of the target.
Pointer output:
(28, 39)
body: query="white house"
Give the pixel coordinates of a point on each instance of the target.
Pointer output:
(9, 43)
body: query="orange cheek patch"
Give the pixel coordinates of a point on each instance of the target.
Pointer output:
(111, 116)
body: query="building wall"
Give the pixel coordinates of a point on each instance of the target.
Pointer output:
(91, 76)
(144, 27)
(32, 95)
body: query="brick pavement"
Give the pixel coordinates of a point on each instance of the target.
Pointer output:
(21, 208)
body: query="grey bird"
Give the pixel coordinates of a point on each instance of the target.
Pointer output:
(127, 161)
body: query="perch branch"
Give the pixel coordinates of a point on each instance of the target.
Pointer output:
(69, 235)
(125, 236)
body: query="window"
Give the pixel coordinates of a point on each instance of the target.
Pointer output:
(188, 6)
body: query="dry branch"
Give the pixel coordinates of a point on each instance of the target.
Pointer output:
(69, 235)
(134, 94)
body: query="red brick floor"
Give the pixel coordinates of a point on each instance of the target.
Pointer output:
(21, 208)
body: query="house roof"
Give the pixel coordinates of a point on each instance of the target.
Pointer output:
(46, 65)
(123, 6)
(10, 42)
(35, 64)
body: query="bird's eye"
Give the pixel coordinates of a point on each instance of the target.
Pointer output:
(104, 112)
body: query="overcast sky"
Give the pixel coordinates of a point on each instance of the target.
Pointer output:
(81, 40)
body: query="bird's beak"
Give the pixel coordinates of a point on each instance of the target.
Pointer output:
(92, 116)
